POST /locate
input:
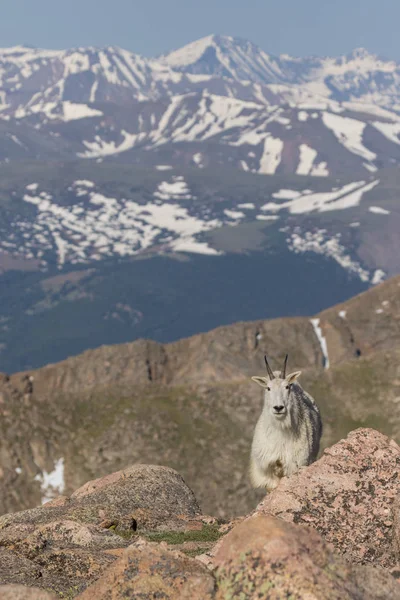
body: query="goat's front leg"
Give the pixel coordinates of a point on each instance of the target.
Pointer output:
(263, 478)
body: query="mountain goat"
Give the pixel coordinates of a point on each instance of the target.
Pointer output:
(288, 432)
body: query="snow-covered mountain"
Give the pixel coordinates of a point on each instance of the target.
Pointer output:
(160, 179)
(200, 129)
(234, 58)
(358, 76)
(259, 113)
(33, 78)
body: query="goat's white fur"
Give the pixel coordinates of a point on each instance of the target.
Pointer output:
(283, 443)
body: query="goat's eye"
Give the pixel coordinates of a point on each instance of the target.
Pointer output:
(288, 387)
(269, 389)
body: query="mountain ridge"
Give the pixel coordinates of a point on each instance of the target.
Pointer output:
(193, 399)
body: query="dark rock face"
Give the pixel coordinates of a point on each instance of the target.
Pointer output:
(348, 496)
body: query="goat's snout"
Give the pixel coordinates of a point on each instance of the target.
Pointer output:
(278, 409)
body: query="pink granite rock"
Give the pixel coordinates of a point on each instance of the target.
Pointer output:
(264, 557)
(348, 496)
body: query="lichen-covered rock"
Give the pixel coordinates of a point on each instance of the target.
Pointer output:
(66, 545)
(148, 570)
(17, 569)
(21, 592)
(151, 495)
(348, 496)
(59, 556)
(141, 497)
(264, 557)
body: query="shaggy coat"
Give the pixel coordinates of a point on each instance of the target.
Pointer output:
(284, 442)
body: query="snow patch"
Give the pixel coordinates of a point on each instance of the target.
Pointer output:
(302, 115)
(190, 244)
(348, 196)
(233, 214)
(74, 112)
(378, 277)
(59, 111)
(378, 210)
(390, 130)
(320, 242)
(52, 484)
(307, 157)
(83, 183)
(348, 132)
(198, 159)
(286, 194)
(176, 189)
(100, 147)
(322, 341)
(97, 226)
(320, 170)
(271, 156)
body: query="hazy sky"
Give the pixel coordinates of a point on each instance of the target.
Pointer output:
(151, 27)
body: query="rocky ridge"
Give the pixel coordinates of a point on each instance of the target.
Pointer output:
(191, 403)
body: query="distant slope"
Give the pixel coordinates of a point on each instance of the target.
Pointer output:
(192, 402)
(111, 253)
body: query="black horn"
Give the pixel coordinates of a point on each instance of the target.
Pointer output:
(270, 373)
(283, 372)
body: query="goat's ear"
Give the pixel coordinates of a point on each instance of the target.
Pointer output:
(293, 376)
(263, 381)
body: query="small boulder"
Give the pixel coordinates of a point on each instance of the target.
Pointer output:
(148, 570)
(152, 496)
(264, 557)
(141, 497)
(348, 496)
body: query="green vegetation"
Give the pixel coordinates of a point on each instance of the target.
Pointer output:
(209, 533)
(68, 594)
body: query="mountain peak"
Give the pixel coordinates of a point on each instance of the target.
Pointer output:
(190, 53)
(361, 53)
(226, 56)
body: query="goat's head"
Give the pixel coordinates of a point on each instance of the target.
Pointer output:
(277, 387)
